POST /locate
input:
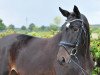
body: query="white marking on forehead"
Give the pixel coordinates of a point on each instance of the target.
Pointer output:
(67, 25)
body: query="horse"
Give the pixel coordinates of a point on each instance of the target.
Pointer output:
(66, 53)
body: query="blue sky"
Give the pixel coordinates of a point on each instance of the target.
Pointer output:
(42, 12)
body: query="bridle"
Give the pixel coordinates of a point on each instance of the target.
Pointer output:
(74, 50)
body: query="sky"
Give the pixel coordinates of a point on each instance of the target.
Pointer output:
(42, 12)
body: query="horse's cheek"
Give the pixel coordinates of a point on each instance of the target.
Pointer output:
(62, 53)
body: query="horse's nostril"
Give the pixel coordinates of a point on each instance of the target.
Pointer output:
(63, 59)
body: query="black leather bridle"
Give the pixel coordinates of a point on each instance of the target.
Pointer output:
(74, 50)
(65, 43)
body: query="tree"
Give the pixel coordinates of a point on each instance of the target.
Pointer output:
(2, 26)
(11, 27)
(23, 28)
(57, 20)
(53, 27)
(31, 26)
(43, 28)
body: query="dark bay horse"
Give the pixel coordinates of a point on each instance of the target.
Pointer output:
(67, 53)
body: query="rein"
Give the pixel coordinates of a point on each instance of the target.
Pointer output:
(74, 46)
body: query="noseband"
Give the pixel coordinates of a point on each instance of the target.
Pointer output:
(74, 50)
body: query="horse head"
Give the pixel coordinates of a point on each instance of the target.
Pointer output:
(74, 45)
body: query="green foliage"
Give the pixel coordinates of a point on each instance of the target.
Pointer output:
(57, 20)
(2, 26)
(43, 28)
(11, 27)
(23, 28)
(43, 34)
(7, 32)
(31, 27)
(95, 47)
(96, 71)
(53, 27)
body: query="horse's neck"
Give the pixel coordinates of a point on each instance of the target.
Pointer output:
(57, 38)
(87, 39)
(87, 47)
(54, 44)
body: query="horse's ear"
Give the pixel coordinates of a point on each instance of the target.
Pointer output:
(64, 12)
(76, 11)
